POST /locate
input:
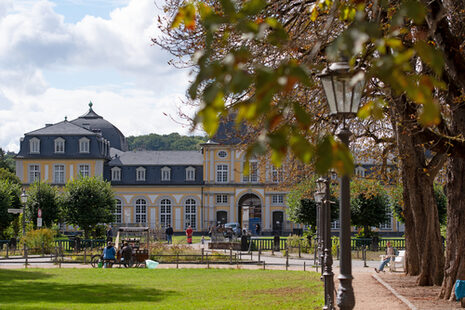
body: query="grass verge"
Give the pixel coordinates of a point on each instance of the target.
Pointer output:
(159, 289)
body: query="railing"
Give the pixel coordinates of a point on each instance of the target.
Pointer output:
(74, 244)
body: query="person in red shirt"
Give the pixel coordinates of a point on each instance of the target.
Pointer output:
(189, 232)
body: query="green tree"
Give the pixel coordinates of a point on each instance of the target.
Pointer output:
(45, 197)
(369, 205)
(302, 208)
(6, 174)
(88, 201)
(7, 161)
(9, 198)
(171, 142)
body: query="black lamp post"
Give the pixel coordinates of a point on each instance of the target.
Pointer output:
(343, 92)
(23, 220)
(322, 198)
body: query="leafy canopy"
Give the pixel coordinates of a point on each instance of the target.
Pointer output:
(231, 82)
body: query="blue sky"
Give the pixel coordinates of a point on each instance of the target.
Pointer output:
(57, 55)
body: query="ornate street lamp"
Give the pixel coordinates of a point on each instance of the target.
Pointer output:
(343, 90)
(319, 196)
(24, 201)
(322, 197)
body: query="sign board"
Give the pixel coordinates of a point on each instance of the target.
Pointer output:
(15, 211)
(39, 222)
(39, 213)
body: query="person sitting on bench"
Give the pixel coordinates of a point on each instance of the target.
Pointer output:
(109, 254)
(390, 254)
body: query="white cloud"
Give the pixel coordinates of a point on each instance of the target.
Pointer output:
(34, 38)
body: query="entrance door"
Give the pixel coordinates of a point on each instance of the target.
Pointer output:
(221, 217)
(278, 220)
(252, 204)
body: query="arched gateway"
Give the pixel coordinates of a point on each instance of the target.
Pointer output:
(250, 203)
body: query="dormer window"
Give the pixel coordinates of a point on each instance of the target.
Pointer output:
(140, 174)
(190, 174)
(165, 174)
(116, 174)
(84, 145)
(34, 146)
(59, 145)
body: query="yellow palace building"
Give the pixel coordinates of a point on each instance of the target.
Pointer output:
(157, 188)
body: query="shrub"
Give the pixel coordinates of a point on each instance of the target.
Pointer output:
(40, 240)
(294, 241)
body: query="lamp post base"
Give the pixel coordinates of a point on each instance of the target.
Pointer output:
(345, 293)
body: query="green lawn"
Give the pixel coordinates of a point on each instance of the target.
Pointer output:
(159, 289)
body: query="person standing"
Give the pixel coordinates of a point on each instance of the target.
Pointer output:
(189, 232)
(257, 229)
(109, 234)
(169, 234)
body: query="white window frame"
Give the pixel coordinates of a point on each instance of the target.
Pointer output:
(59, 173)
(118, 211)
(277, 199)
(116, 174)
(59, 145)
(165, 212)
(277, 174)
(34, 146)
(190, 213)
(84, 168)
(222, 173)
(33, 173)
(140, 211)
(336, 224)
(222, 198)
(84, 145)
(140, 174)
(166, 174)
(253, 176)
(360, 172)
(388, 224)
(190, 174)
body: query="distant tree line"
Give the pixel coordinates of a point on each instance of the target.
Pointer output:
(171, 142)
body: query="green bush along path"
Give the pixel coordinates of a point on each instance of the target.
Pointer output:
(159, 289)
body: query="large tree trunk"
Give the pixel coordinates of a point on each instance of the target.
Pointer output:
(455, 250)
(424, 244)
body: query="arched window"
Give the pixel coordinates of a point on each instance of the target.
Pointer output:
(141, 211)
(190, 212)
(118, 211)
(165, 212)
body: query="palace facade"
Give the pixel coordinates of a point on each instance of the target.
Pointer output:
(156, 188)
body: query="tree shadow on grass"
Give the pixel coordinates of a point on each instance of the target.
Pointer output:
(11, 275)
(27, 291)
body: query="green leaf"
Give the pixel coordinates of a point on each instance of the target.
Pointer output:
(228, 7)
(430, 115)
(253, 7)
(415, 10)
(431, 56)
(209, 118)
(324, 155)
(301, 115)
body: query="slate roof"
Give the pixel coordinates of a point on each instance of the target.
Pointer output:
(64, 128)
(93, 121)
(150, 158)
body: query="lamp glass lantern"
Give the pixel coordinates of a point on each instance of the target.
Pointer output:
(343, 89)
(320, 185)
(24, 197)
